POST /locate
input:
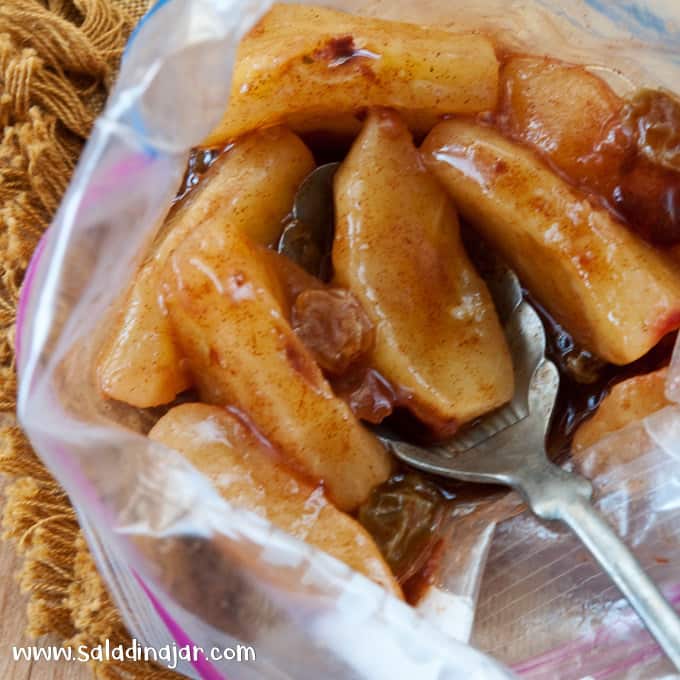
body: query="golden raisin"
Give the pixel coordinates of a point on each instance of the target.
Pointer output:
(333, 326)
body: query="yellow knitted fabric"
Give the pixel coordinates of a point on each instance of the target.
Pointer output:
(58, 59)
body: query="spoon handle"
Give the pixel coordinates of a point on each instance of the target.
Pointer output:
(623, 568)
(557, 494)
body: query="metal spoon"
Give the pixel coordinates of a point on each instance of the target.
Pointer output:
(508, 446)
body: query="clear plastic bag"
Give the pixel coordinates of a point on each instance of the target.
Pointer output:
(546, 609)
(181, 563)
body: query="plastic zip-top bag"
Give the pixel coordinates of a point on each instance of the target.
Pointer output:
(186, 567)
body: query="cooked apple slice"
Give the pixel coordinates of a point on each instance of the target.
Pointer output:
(302, 65)
(251, 187)
(628, 402)
(578, 135)
(248, 474)
(226, 308)
(398, 249)
(616, 436)
(617, 295)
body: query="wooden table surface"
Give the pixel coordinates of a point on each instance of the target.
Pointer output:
(12, 627)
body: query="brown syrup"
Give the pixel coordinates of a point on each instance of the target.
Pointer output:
(578, 399)
(199, 163)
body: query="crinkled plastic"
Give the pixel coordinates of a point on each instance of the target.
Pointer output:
(546, 609)
(185, 566)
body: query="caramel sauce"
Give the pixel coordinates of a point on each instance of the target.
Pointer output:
(580, 394)
(199, 163)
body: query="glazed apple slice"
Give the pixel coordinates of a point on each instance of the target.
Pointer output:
(248, 474)
(628, 402)
(251, 187)
(617, 295)
(578, 136)
(313, 68)
(398, 249)
(617, 439)
(226, 307)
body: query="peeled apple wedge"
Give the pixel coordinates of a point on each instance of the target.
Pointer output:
(628, 402)
(226, 307)
(247, 473)
(573, 134)
(304, 65)
(617, 295)
(398, 249)
(250, 187)
(617, 438)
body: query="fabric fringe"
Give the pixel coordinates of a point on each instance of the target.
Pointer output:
(57, 60)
